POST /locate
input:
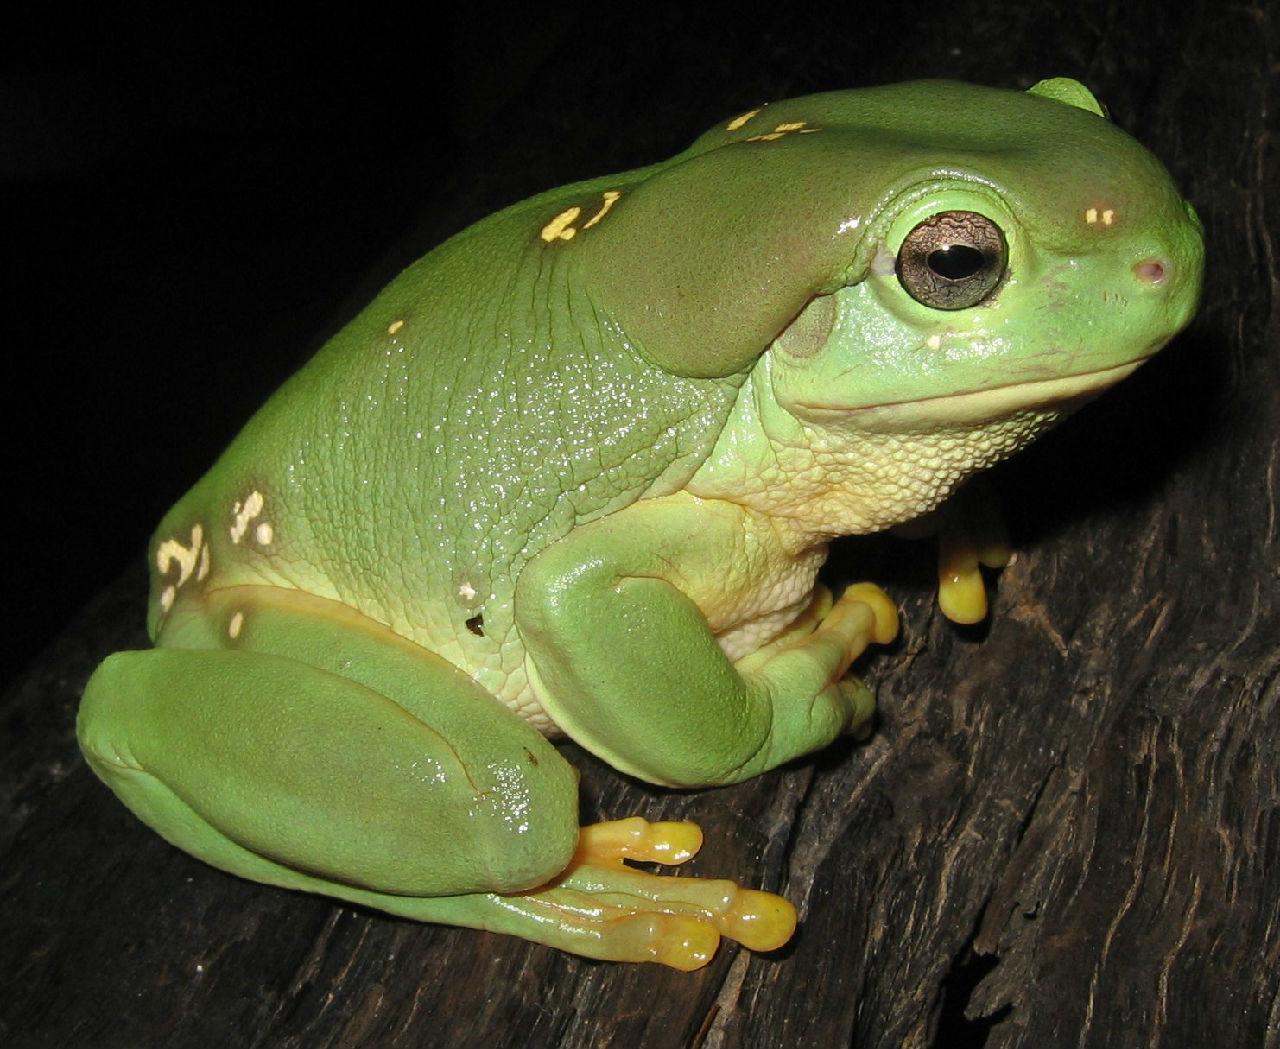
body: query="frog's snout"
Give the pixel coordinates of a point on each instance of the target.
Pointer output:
(1167, 271)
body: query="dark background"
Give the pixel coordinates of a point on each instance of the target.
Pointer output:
(1065, 829)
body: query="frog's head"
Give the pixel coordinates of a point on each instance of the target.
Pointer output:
(1025, 255)
(948, 267)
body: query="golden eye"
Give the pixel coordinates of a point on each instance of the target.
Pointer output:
(952, 260)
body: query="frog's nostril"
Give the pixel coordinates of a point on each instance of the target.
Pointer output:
(1151, 271)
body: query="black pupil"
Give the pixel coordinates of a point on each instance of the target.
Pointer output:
(956, 261)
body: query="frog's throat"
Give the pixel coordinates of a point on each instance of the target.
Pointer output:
(1062, 395)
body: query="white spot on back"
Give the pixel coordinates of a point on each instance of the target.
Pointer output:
(245, 513)
(173, 551)
(190, 560)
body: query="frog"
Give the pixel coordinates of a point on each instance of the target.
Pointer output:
(573, 474)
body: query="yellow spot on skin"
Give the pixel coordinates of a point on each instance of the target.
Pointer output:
(934, 342)
(245, 513)
(798, 127)
(233, 628)
(1092, 217)
(190, 560)
(1108, 217)
(264, 533)
(738, 121)
(560, 227)
(395, 327)
(172, 552)
(466, 591)
(610, 197)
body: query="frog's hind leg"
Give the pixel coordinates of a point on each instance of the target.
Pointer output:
(292, 775)
(295, 742)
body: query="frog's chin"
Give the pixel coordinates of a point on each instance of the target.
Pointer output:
(1056, 397)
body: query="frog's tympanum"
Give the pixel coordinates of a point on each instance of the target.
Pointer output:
(574, 473)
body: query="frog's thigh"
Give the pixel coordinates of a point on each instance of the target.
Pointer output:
(270, 767)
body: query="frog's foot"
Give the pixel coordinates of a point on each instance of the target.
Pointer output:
(962, 594)
(966, 543)
(602, 908)
(971, 534)
(863, 615)
(879, 615)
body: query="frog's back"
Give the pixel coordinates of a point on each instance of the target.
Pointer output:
(475, 412)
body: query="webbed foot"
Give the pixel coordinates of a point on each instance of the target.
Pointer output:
(603, 908)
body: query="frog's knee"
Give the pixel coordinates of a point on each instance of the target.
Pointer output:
(525, 833)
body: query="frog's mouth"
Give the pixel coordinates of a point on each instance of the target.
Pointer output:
(1055, 397)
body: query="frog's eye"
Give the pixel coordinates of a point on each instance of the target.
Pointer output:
(952, 260)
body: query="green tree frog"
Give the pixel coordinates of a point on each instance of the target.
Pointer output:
(574, 473)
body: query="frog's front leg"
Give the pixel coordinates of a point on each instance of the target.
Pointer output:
(623, 621)
(293, 741)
